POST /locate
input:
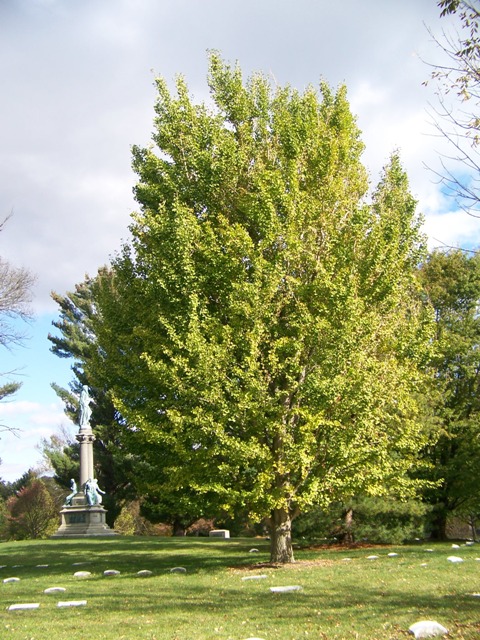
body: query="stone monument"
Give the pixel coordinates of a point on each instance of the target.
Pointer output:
(82, 514)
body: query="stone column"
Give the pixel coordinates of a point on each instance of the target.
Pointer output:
(85, 437)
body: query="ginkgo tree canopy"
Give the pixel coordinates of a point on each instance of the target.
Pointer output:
(263, 328)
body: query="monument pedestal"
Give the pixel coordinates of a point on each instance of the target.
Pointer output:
(80, 520)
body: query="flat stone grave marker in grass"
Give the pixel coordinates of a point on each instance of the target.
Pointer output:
(41, 566)
(253, 551)
(28, 605)
(393, 555)
(144, 573)
(372, 557)
(286, 589)
(54, 590)
(72, 603)
(82, 574)
(455, 546)
(111, 572)
(7, 580)
(260, 577)
(454, 559)
(178, 570)
(427, 629)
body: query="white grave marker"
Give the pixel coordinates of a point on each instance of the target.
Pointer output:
(219, 533)
(31, 605)
(427, 629)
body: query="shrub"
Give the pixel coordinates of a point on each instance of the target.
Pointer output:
(389, 521)
(125, 522)
(3, 519)
(32, 512)
(378, 520)
(131, 522)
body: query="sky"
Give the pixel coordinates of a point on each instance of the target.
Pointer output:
(77, 80)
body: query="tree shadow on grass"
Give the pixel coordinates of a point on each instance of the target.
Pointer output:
(126, 554)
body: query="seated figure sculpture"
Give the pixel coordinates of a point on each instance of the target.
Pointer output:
(73, 489)
(93, 493)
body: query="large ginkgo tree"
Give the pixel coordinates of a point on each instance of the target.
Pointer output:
(263, 330)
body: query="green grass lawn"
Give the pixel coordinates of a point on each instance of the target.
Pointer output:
(344, 594)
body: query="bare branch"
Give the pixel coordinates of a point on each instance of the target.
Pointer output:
(459, 125)
(15, 297)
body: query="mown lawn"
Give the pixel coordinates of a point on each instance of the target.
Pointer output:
(344, 595)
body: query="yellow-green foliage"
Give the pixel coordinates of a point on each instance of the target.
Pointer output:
(262, 334)
(125, 522)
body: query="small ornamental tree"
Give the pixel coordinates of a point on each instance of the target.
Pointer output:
(32, 512)
(264, 328)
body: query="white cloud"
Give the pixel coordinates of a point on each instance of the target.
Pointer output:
(28, 423)
(18, 408)
(452, 229)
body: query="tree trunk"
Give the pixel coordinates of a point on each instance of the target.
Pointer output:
(281, 537)
(349, 526)
(178, 528)
(439, 526)
(472, 521)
